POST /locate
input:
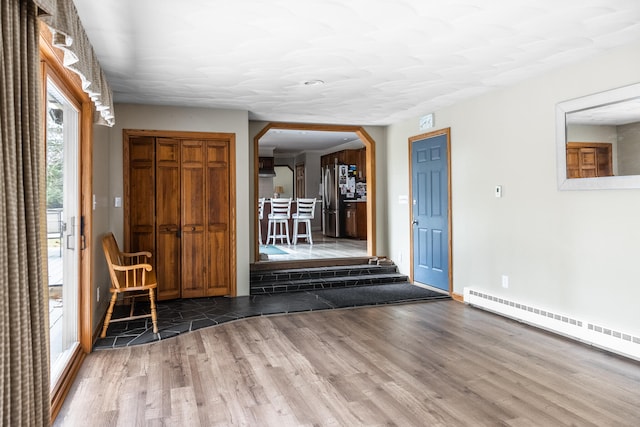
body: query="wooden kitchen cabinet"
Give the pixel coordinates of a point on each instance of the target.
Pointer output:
(361, 220)
(362, 164)
(351, 219)
(355, 220)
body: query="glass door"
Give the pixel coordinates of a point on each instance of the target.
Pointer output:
(63, 226)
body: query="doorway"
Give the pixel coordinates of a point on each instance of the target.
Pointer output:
(63, 225)
(368, 246)
(430, 209)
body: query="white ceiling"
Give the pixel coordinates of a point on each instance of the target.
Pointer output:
(382, 61)
(289, 141)
(615, 114)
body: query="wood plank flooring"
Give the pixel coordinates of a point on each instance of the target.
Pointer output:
(424, 364)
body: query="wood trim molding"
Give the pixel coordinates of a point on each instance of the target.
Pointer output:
(447, 132)
(370, 151)
(457, 297)
(589, 144)
(61, 389)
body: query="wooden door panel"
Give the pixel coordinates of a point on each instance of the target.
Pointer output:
(193, 262)
(168, 218)
(589, 159)
(218, 199)
(194, 251)
(168, 269)
(141, 202)
(218, 280)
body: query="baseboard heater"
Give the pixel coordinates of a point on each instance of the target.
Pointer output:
(580, 329)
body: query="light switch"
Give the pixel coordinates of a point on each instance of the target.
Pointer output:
(117, 202)
(498, 191)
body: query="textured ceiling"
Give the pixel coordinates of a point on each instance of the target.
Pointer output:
(382, 61)
(289, 141)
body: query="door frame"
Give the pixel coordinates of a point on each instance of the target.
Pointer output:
(435, 133)
(370, 151)
(52, 65)
(128, 133)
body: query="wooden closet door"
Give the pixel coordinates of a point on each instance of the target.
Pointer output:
(168, 242)
(193, 192)
(141, 206)
(218, 218)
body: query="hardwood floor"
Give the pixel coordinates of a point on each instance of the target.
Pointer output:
(426, 364)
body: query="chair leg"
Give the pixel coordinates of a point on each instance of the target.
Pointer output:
(308, 225)
(269, 233)
(286, 223)
(107, 319)
(154, 317)
(295, 231)
(259, 232)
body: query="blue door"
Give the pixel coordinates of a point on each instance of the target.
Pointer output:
(430, 192)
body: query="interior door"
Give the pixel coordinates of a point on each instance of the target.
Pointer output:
(430, 210)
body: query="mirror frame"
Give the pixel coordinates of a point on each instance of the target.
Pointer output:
(583, 103)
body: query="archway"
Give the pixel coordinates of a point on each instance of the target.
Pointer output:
(370, 165)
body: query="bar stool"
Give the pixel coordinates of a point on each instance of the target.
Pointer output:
(260, 217)
(304, 214)
(279, 216)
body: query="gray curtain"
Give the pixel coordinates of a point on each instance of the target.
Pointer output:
(24, 359)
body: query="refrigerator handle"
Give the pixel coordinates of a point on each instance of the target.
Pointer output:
(325, 195)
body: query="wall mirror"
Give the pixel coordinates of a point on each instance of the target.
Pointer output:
(598, 140)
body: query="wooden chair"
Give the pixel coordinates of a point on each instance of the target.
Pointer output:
(132, 276)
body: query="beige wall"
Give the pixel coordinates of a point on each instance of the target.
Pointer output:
(574, 252)
(100, 219)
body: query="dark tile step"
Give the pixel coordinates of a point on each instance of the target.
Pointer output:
(320, 272)
(260, 288)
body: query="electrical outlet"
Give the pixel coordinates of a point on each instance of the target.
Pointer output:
(505, 281)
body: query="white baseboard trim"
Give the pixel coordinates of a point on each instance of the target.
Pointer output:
(571, 326)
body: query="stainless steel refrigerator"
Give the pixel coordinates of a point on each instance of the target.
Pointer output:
(331, 200)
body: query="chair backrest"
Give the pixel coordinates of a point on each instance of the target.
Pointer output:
(306, 207)
(128, 271)
(281, 207)
(261, 207)
(113, 255)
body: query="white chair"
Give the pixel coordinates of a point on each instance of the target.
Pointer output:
(279, 216)
(260, 217)
(304, 214)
